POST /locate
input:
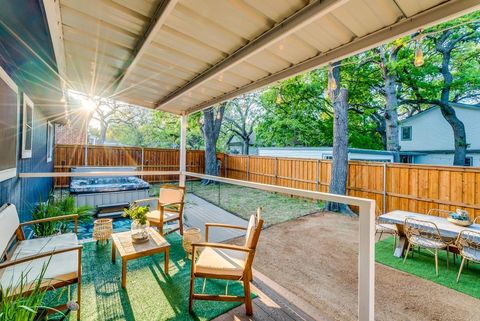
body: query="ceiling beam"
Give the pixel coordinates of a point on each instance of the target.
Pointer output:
(299, 19)
(158, 19)
(443, 12)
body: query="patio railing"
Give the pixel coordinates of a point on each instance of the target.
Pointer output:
(366, 257)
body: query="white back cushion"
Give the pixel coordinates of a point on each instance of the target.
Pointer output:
(8, 225)
(170, 195)
(252, 223)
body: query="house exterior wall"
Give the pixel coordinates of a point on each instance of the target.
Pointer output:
(430, 131)
(444, 159)
(25, 193)
(322, 153)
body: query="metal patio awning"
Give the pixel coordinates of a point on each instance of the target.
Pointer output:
(184, 55)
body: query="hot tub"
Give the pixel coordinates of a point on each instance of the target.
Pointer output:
(107, 191)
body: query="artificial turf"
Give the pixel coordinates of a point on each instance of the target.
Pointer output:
(150, 293)
(423, 265)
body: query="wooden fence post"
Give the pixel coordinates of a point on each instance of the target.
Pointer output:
(317, 176)
(248, 168)
(275, 171)
(384, 202)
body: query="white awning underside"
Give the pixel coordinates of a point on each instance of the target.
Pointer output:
(182, 56)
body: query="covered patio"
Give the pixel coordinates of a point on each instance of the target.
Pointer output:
(184, 56)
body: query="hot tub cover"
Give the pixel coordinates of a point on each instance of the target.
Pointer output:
(105, 184)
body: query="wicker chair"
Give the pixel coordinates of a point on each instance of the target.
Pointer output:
(438, 212)
(468, 243)
(385, 228)
(425, 234)
(476, 220)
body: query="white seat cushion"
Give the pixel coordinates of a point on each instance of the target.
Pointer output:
(427, 243)
(221, 262)
(60, 267)
(45, 244)
(386, 228)
(471, 254)
(154, 216)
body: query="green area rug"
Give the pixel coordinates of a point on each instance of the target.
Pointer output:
(150, 293)
(423, 265)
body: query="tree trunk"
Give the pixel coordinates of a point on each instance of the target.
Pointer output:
(103, 134)
(211, 130)
(338, 182)
(459, 135)
(391, 105)
(246, 145)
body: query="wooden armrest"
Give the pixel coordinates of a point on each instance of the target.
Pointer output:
(39, 256)
(146, 200)
(207, 225)
(221, 246)
(51, 219)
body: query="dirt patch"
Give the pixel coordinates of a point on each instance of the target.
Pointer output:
(315, 257)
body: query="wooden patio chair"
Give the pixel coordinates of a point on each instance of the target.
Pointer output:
(227, 262)
(468, 244)
(170, 204)
(57, 259)
(425, 234)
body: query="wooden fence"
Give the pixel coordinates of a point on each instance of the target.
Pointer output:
(148, 159)
(409, 187)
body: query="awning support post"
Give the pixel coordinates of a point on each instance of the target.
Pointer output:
(183, 148)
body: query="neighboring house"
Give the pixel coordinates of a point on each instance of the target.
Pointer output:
(427, 138)
(326, 153)
(235, 145)
(28, 107)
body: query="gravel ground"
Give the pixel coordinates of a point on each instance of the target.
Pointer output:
(315, 257)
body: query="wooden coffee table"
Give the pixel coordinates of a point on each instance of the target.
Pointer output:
(130, 251)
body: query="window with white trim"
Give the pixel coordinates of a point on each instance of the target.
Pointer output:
(27, 127)
(469, 161)
(406, 132)
(50, 141)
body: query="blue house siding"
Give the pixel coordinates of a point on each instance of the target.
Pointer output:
(26, 192)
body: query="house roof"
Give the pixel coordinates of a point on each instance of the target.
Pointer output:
(432, 108)
(329, 149)
(184, 55)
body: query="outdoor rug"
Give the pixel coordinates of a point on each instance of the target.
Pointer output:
(423, 265)
(150, 293)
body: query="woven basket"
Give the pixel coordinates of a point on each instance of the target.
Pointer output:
(102, 229)
(191, 235)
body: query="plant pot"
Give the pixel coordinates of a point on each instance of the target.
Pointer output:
(139, 231)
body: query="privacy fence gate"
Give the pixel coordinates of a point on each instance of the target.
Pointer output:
(416, 188)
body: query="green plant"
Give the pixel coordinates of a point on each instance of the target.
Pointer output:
(54, 207)
(137, 213)
(16, 306)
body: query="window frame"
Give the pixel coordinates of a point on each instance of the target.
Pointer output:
(28, 106)
(9, 173)
(50, 141)
(402, 130)
(470, 158)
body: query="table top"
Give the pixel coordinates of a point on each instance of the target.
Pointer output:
(123, 242)
(446, 228)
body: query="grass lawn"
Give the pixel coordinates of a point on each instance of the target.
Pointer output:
(423, 265)
(243, 201)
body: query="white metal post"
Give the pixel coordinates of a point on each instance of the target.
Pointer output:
(366, 262)
(183, 148)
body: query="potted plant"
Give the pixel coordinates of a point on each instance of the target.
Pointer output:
(140, 225)
(57, 206)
